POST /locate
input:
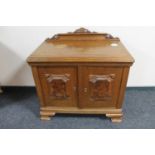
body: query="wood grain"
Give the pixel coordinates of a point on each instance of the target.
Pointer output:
(81, 47)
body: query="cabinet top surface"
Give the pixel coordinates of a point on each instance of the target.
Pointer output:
(81, 46)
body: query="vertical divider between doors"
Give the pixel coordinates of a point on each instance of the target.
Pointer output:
(79, 84)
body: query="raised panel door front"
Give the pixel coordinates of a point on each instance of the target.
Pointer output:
(99, 86)
(59, 86)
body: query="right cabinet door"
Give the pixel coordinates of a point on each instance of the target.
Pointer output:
(99, 86)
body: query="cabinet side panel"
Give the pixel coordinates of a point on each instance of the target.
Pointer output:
(38, 84)
(123, 86)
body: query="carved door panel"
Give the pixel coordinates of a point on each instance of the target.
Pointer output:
(99, 86)
(59, 86)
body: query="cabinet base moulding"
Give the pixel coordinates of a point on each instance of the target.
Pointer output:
(46, 113)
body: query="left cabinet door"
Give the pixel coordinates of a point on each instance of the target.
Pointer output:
(59, 86)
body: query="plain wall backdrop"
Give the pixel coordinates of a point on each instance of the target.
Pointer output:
(17, 43)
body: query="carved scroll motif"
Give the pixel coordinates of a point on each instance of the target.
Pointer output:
(82, 34)
(101, 86)
(82, 30)
(57, 85)
(86, 31)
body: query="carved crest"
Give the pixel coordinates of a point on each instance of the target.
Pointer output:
(95, 78)
(82, 30)
(51, 77)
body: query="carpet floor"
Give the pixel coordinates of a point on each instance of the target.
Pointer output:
(19, 109)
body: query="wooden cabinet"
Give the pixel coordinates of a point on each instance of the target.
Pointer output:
(81, 72)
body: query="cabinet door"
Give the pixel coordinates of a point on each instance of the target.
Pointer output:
(59, 86)
(99, 86)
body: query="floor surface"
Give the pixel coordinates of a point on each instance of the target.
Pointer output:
(19, 109)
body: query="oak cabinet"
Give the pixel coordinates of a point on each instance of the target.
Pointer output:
(81, 72)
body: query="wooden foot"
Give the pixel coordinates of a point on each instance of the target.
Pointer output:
(45, 118)
(46, 115)
(115, 118)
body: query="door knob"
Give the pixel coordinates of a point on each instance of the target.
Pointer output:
(74, 88)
